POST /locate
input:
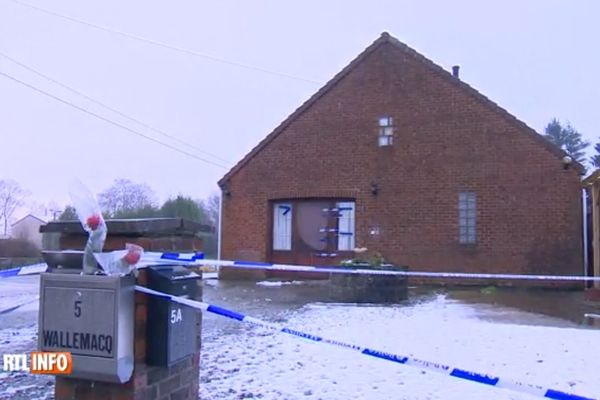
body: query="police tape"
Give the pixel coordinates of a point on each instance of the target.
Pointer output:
(186, 259)
(196, 259)
(26, 270)
(400, 359)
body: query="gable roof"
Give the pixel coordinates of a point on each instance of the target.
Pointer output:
(27, 216)
(434, 68)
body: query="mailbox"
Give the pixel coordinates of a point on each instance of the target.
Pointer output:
(92, 317)
(173, 329)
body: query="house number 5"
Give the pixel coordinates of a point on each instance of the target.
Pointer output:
(77, 310)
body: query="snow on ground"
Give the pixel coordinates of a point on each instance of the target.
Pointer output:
(240, 360)
(259, 364)
(18, 334)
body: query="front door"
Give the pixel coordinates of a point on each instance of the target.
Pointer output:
(312, 232)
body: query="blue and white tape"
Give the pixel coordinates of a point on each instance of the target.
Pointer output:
(190, 257)
(197, 259)
(340, 270)
(27, 270)
(400, 359)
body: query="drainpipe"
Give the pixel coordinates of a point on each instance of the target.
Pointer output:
(585, 235)
(220, 226)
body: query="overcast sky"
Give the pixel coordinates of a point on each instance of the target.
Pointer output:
(538, 59)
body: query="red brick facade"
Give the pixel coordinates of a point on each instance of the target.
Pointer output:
(448, 139)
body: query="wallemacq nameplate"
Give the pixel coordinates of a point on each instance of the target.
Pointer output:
(93, 318)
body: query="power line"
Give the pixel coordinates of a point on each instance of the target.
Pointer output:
(144, 124)
(164, 45)
(110, 121)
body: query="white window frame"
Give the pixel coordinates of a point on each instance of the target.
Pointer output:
(386, 131)
(467, 218)
(346, 225)
(282, 226)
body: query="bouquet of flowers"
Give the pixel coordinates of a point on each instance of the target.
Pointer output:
(121, 262)
(88, 212)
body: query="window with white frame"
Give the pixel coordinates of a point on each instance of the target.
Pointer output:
(282, 226)
(467, 212)
(386, 131)
(346, 229)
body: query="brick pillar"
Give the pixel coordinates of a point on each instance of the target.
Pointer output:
(178, 382)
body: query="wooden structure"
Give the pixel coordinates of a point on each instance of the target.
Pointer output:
(153, 234)
(592, 185)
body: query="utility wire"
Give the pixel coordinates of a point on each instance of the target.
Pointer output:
(164, 45)
(144, 124)
(82, 109)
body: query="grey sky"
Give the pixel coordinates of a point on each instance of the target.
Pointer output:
(537, 59)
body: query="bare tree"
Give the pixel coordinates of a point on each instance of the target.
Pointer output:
(127, 199)
(211, 209)
(12, 196)
(49, 210)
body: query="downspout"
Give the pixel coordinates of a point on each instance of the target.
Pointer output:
(219, 233)
(585, 234)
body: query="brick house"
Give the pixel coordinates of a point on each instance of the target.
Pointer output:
(400, 156)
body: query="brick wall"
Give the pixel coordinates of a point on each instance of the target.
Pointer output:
(447, 139)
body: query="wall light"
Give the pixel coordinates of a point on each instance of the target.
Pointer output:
(374, 188)
(567, 161)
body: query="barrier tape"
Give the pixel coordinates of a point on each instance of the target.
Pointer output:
(185, 258)
(27, 270)
(196, 259)
(400, 359)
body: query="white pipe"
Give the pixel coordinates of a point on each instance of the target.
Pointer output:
(220, 226)
(585, 235)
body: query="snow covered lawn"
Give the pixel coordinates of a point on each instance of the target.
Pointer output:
(255, 363)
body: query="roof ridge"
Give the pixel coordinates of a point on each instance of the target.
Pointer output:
(28, 215)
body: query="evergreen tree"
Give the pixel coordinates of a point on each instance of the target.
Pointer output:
(595, 160)
(567, 138)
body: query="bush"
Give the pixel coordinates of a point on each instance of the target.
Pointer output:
(375, 261)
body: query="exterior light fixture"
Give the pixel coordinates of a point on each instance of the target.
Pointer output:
(374, 189)
(567, 161)
(225, 190)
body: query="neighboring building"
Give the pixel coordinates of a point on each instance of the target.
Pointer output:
(398, 155)
(28, 228)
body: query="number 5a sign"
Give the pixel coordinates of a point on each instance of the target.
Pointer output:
(92, 317)
(176, 315)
